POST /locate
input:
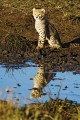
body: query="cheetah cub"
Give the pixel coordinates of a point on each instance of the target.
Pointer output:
(45, 29)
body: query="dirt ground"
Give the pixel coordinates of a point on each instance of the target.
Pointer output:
(18, 39)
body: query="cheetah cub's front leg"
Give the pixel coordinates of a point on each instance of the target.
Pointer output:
(41, 40)
(39, 16)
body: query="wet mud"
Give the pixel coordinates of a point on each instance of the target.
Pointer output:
(18, 41)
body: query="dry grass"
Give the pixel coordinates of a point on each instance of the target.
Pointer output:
(52, 110)
(16, 17)
(68, 7)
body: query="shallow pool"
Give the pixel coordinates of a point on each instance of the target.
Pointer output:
(20, 82)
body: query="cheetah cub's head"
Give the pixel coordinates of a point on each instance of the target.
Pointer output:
(36, 93)
(38, 13)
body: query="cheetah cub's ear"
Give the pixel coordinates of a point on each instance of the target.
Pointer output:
(43, 10)
(33, 9)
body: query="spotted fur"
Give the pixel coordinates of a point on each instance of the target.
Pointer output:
(45, 29)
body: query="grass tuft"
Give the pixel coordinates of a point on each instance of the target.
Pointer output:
(52, 110)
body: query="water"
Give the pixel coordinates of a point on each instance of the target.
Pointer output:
(19, 83)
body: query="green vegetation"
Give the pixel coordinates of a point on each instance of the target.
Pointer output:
(52, 110)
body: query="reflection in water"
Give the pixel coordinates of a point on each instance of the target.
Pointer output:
(30, 80)
(41, 79)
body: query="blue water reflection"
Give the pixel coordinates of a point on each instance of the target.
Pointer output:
(17, 83)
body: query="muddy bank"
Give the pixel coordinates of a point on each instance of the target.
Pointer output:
(18, 50)
(18, 39)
